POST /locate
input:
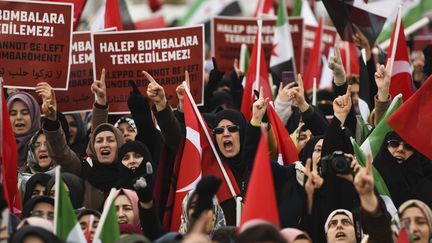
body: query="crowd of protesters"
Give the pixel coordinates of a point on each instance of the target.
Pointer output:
(138, 158)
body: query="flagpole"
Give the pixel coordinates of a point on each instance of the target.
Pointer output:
(258, 66)
(200, 119)
(314, 92)
(57, 197)
(396, 39)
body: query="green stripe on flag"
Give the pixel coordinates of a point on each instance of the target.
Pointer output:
(282, 15)
(410, 17)
(66, 224)
(373, 142)
(108, 230)
(364, 127)
(297, 8)
(195, 6)
(379, 181)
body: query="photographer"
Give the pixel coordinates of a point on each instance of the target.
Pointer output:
(341, 225)
(335, 191)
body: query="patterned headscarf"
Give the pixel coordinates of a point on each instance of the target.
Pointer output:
(218, 218)
(420, 205)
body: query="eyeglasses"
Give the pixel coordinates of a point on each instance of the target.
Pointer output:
(396, 143)
(231, 129)
(41, 214)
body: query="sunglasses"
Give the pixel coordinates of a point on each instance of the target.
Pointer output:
(397, 143)
(231, 129)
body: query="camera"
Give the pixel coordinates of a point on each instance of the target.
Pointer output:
(335, 163)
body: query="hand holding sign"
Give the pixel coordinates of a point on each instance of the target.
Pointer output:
(99, 88)
(49, 103)
(156, 92)
(180, 91)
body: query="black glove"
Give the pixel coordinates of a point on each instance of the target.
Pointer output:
(136, 101)
(143, 185)
(215, 75)
(205, 191)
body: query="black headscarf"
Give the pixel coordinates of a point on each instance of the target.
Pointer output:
(28, 207)
(404, 180)
(308, 149)
(38, 178)
(75, 185)
(24, 232)
(80, 143)
(127, 176)
(237, 118)
(103, 176)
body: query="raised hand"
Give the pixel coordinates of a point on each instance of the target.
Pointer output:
(355, 166)
(237, 68)
(215, 75)
(296, 94)
(335, 64)
(259, 108)
(314, 181)
(156, 92)
(49, 103)
(364, 185)
(382, 79)
(98, 87)
(342, 105)
(143, 185)
(283, 93)
(362, 42)
(180, 91)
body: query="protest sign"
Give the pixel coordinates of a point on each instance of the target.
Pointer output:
(327, 41)
(35, 39)
(78, 97)
(165, 53)
(229, 33)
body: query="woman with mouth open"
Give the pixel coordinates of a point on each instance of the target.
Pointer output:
(417, 217)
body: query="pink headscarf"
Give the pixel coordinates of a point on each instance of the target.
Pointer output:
(291, 234)
(133, 198)
(38, 222)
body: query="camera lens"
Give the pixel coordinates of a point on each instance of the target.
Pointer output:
(340, 165)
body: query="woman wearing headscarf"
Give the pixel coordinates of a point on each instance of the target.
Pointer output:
(78, 134)
(24, 114)
(188, 206)
(293, 235)
(417, 217)
(136, 173)
(35, 186)
(402, 168)
(74, 186)
(34, 234)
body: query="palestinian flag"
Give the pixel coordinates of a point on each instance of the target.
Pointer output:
(67, 227)
(108, 230)
(412, 11)
(373, 142)
(282, 56)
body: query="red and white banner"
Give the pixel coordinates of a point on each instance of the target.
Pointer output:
(229, 33)
(164, 53)
(35, 43)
